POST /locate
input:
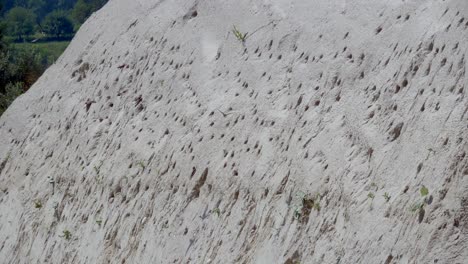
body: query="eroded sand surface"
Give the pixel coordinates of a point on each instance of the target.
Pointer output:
(169, 140)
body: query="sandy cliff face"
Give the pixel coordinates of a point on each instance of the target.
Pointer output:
(336, 132)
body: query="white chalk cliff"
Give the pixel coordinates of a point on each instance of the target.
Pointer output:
(335, 132)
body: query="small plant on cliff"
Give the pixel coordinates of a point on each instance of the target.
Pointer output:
(424, 191)
(97, 169)
(239, 35)
(38, 204)
(217, 211)
(387, 197)
(141, 163)
(7, 158)
(66, 234)
(371, 197)
(419, 206)
(306, 204)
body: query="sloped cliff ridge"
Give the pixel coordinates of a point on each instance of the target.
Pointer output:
(313, 132)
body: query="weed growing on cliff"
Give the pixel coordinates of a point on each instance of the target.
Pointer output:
(317, 205)
(66, 234)
(97, 169)
(38, 204)
(297, 212)
(305, 206)
(217, 211)
(55, 205)
(298, 208)
(419, 206)
(99, 179)
(141, 163)
(387, 197)
(4, 162)
(424, 191)
(99, 222)
(239, 35)
(371, 197)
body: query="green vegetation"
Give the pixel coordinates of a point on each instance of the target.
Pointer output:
(48, 52)
(141, 163)
(38, 204)
(240, 36)
(66, 234)
(57, 24)
(305, 206)
(48, 18)
(20, 22)
(84, 8)
(387, 197)
(419, 206)
(33, 34)
(424, 191)
(99, 177)
(97, 169)
(217, 211)
(371, 197)
(11, 92)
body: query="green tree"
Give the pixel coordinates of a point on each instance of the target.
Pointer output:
(43, 7)
(2, 29)
(40, 8)
(6, 5)
(4, 69)
(4, 58)
(84, 8)
(81, 11)
(57, 24)
(20, 22)
(65, 4)
(12, 91)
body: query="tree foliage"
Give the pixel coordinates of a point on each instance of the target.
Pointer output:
(13, 90)
(25, 17)
(2, 30)
(81, 11)
(57, 24)
(84, 8)
(20, 22)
